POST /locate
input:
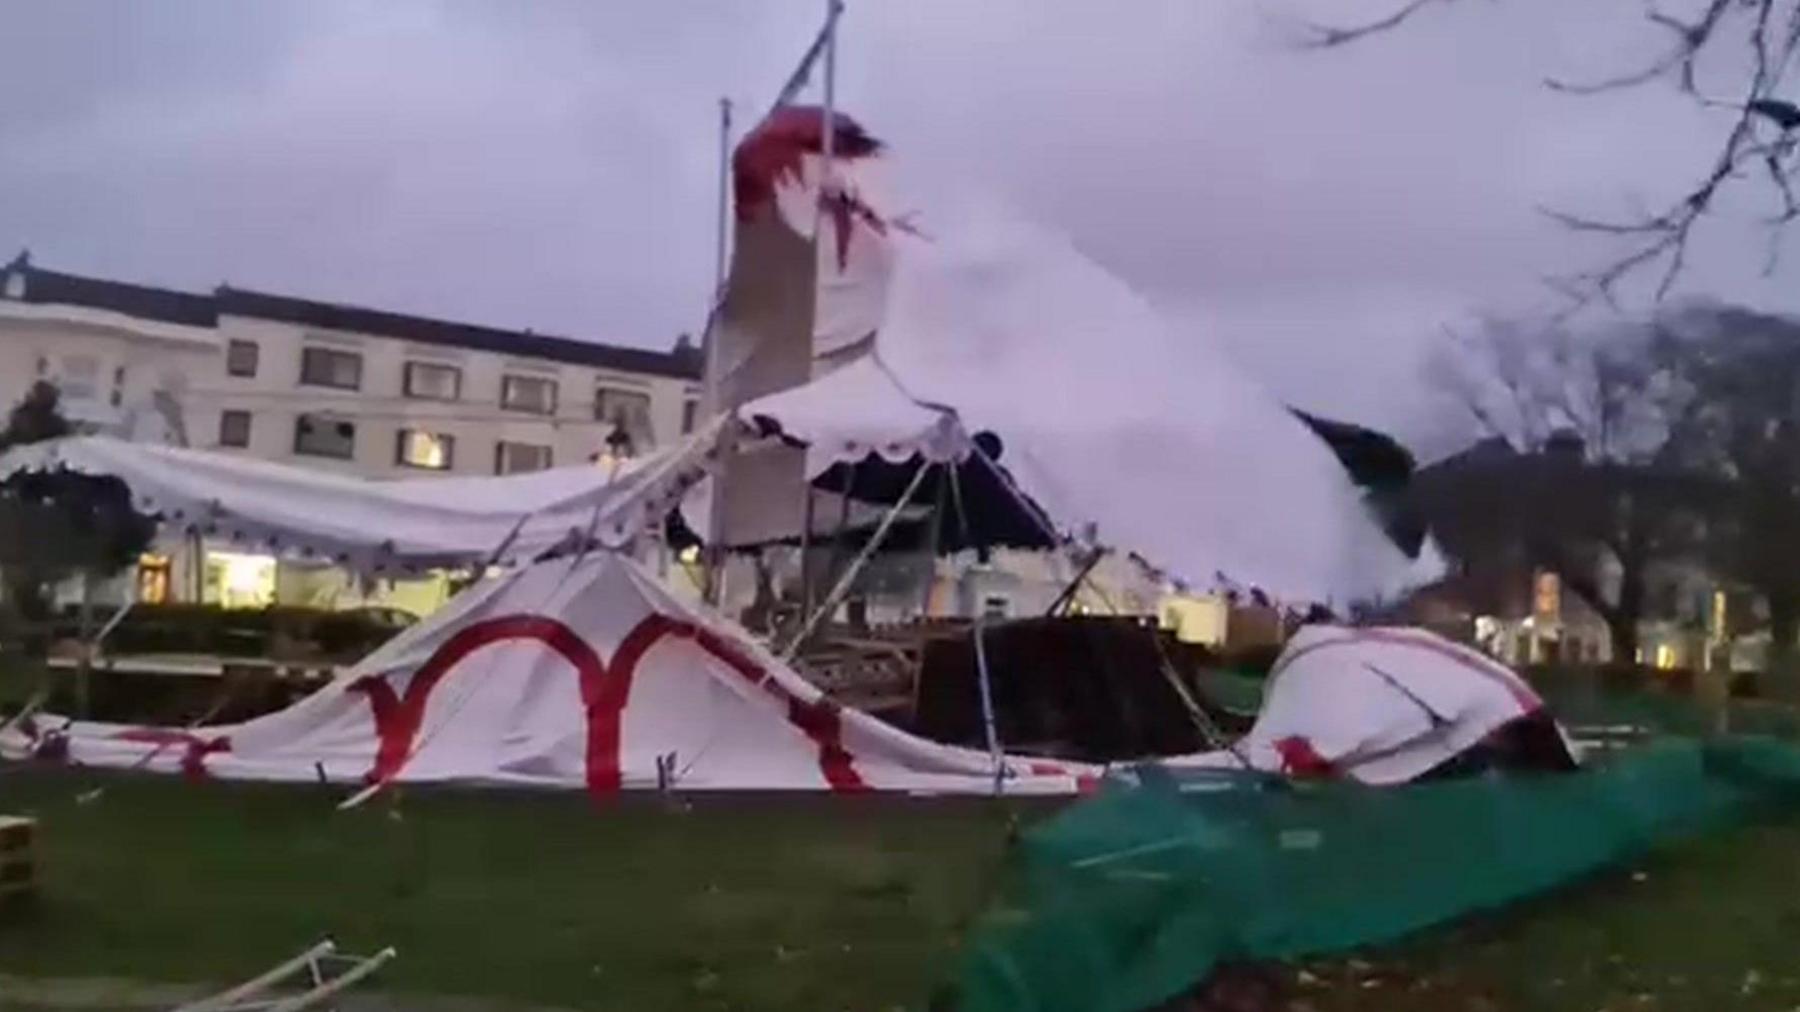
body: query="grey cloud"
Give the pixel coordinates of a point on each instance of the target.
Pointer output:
(552, 164)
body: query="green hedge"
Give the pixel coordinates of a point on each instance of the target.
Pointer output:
(280, 632)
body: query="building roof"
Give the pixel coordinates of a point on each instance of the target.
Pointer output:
(165, 305)
(683, 361)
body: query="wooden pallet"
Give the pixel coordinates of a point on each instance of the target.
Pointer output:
(18, 857)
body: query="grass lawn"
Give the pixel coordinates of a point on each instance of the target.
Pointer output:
(740, 903)
(773, 903)
(1709, 925)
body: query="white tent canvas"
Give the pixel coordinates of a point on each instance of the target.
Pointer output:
(1113, 420)
(1380, 705)
(573, 673)
(384, 526)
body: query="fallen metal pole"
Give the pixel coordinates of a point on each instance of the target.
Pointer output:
(225, 999)
(337, 985)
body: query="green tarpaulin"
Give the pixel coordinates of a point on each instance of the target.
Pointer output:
(1131, 897)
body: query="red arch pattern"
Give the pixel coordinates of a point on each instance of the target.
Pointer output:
(605, 691)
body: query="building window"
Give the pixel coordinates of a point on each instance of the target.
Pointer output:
(432, 381)
(528, 393)
(153, 579)
(329, 367)
(430, 450)
(518, 458)
(690, 412)
(236, 580)
(234, 428)
(319, 436)
(241, 357)
(628, 412)
(80, 375)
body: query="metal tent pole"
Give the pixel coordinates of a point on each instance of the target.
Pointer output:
(984, 679)
(828, 145)
(711, 397)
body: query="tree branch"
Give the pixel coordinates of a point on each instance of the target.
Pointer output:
(1691, 38)
(1332, 36)
(1659, 241)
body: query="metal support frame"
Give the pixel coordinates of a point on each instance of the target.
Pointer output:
(842, 587)
(984, 679)
(316, 964)
(806, 525)
(1074, 585)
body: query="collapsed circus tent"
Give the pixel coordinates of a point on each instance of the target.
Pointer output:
(580, 670)
(577, 673)
(1391, 705)
(584, 673)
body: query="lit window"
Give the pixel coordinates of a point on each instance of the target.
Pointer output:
(528, 393)
(153, 579)
(430, 450)
(628, 412)
(235, 580)
(234, 428)
(241, 358)
(519, 458)
(319, 436)
(432, 381)
(329, 367)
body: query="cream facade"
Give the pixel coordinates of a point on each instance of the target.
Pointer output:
(415, 408)
(338, 388)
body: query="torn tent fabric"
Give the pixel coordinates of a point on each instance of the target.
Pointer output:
(575, 673)
(874, 337)
(374, 526)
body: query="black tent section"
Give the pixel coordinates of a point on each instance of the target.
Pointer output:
(1094, 688)
(978, 509)
(1382, 468)
(995, 514)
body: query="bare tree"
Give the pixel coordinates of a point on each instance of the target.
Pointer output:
(1760, 143)
(1743, 428)
(1587, 483)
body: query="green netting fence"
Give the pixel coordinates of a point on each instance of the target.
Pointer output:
(1130, 898)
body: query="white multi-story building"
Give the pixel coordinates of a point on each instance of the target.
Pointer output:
(343, 388)
(338, 387)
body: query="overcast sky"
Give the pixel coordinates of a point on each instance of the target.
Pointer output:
(552, 164)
